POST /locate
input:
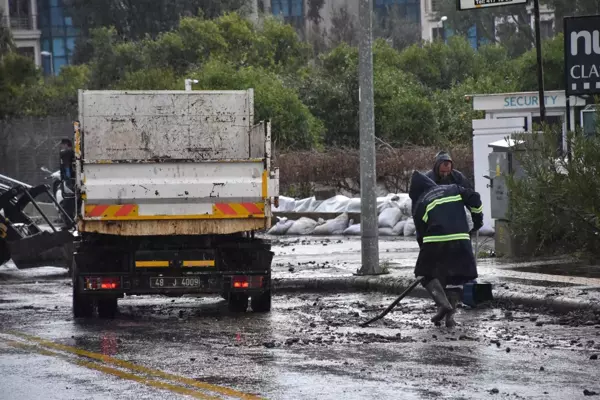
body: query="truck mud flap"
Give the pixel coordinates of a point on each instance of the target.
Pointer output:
(40, 249)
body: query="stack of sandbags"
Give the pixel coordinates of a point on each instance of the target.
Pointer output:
(281, 227)
(335, 226)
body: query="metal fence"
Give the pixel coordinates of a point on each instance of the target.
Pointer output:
(27, 144)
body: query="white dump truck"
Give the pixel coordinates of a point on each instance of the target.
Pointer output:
(171, 187)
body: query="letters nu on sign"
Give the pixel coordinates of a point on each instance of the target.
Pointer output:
(591, 42)
(582, 55)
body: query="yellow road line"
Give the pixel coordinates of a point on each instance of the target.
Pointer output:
(138, 368)
(115, 372)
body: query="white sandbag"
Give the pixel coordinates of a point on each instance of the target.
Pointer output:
(389, 217)
(409, 228)
(353, 230)
(386, 202)
(386, 232)
(304, 226)
(405, 206)
(399, 228)
(286, 204)
(335, 204)
(335, 226)
(281, 227)
(353, 206)
(307, 205)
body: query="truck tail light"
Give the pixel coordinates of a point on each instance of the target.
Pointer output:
(246, 282)
(102, 283)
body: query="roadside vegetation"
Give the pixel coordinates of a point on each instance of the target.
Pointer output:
(556, 205)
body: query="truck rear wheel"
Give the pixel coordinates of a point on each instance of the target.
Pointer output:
(262, 302)
(238, 302)
(83, 306)
(107, 308)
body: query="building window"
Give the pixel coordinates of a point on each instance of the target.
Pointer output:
(436, 5)
(437, 34)
(28, 52)
(547, 29)
(20, 14)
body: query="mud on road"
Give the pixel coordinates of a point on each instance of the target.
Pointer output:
(308, 347)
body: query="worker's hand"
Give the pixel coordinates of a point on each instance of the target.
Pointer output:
(477, 225)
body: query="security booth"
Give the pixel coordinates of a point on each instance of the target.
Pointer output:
(507, 114)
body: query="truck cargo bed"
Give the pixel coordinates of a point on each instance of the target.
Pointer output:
(173, 163)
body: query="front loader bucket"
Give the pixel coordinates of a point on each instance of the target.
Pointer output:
(44, 248)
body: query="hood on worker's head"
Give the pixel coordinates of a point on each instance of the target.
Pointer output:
(419, 184)
(441, 158)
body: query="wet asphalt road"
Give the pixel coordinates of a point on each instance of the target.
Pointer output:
(308, 347)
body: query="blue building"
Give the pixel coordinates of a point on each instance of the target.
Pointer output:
(58, 35)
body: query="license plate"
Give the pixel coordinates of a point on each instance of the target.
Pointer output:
(172, 282)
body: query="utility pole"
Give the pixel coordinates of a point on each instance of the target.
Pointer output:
(368, 198)
(540, 65)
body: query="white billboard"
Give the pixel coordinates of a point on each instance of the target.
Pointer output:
(475, 4)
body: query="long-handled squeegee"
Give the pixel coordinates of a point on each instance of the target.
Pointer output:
(395, 303)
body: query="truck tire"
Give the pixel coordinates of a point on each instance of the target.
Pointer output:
(83, 306)
(262, 302)
(107, 308)
(238, 302)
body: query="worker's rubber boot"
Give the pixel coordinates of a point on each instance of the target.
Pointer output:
(436, 291)
(453, 297)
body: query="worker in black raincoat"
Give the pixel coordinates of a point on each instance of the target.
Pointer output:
(443, 172)
(446, 255)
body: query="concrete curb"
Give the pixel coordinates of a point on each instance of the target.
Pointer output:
(391, 285)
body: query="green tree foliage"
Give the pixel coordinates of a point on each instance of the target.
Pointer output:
(555, 207)
(293, 124)
(574, 8)
(438, 65)
(19, 81)
(135, 19)
(6, 40)
(554, 67)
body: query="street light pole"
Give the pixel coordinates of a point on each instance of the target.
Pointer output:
(540, 65)
(443, 33)
(369, 225)
(48, 54)
(188, 84)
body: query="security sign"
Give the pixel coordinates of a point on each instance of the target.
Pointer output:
(475, 4)
(582, 55)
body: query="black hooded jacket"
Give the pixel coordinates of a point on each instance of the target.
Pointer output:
(439, 210)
